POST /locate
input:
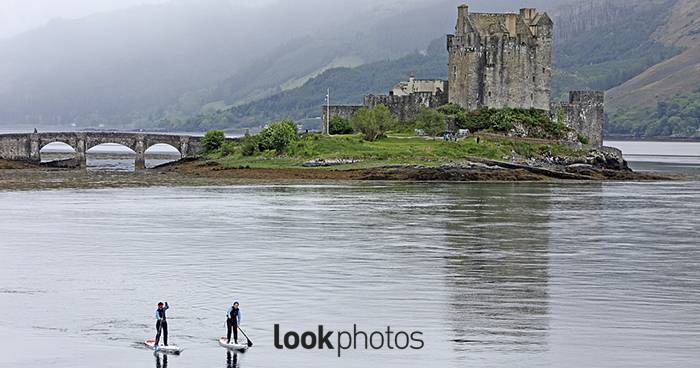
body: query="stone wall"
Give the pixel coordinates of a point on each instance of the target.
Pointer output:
(343, 111)
(585, 113)
(499, 60)
(405, 108)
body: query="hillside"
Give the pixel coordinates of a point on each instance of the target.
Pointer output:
(599, 45)
(348, 86)
(679, 74)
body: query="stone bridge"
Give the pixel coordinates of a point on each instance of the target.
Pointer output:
(27, 146)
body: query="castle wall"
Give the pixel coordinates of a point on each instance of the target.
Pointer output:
(585, 113)
(499, 60)
(406, 108)
(343, 111)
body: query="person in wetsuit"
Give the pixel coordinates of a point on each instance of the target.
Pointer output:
(162, 323)
(233, 319)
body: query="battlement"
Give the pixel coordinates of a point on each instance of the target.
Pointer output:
(585, 113)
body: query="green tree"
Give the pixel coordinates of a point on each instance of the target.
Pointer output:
(278, 135)
(431, 121)
(339, 125)
(213, 140)
(373, 123)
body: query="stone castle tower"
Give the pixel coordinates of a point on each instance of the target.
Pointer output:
(499, 60)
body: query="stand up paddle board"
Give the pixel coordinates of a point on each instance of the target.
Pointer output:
(172, 349)
(223, 341)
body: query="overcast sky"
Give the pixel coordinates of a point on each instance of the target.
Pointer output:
(21, 15)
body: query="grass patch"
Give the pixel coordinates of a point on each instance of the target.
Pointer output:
(395, 149)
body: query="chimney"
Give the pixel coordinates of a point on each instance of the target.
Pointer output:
(462, 13)
(528, 13)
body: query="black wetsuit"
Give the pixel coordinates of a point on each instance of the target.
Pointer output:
(161, 326)
(232, 324)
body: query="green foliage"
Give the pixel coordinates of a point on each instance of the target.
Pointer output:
(431, 121)
(277, 136)
(213, 140)
(339, 125)
(537, 122)
(678, 116)
(250, 145)
(583, 139)
(373, 123)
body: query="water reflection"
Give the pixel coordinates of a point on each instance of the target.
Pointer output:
(161, 360)
(232, 359)
(497, 267)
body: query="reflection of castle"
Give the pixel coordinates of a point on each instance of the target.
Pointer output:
(495, 60)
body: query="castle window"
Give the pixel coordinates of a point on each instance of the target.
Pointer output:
(489, 93)
(543, 70)
(533, 78)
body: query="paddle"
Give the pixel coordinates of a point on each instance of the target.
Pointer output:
(250, 343)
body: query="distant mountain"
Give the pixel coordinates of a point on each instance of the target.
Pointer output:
(187, 57)
(347, 85)
(644, 52)
(678, 74)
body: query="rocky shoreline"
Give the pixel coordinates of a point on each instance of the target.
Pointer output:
(598, 165)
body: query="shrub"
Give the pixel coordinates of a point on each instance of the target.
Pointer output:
(249, 145)
(432, 122)
(373, 123)
(583, 139)
(277, 136)
(339, 125)
(213, 140)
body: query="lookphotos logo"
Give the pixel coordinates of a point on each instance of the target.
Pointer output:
(340, 341)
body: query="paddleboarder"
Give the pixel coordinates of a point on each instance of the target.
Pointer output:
(161, 323)
(233, 319)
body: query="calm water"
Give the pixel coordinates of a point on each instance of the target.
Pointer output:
(667, 157)
(494, 275)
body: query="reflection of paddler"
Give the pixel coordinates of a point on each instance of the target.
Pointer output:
(164, 363)
(231, 359)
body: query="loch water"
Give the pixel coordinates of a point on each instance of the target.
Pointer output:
(492, 274)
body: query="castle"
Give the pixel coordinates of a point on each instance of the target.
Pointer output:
(496, 60)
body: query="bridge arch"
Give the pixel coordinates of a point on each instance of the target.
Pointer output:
(56, 150)
(157, 148)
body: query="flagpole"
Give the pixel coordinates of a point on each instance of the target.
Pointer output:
(328, 112)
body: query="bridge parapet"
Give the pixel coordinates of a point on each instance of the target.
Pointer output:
(27, 146)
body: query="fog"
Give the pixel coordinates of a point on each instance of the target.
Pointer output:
(120, 62)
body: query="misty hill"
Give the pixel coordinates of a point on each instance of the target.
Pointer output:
(185, 57)
(631, 48)
(347, 85)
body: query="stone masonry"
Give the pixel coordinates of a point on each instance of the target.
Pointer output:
(499, 60)
(585, 113)
(27, 147)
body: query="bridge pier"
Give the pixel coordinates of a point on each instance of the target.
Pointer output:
(34, 148)
(140, 149)
(80, 152)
